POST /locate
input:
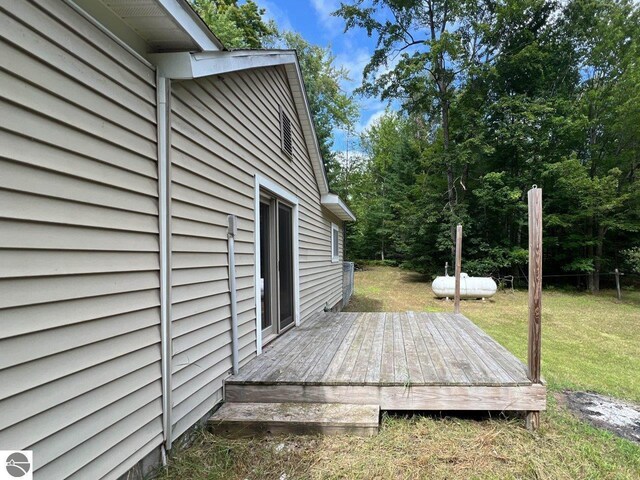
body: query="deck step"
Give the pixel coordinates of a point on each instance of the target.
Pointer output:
(248, 419)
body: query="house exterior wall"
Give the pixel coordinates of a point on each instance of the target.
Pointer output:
(80, 339)
(225, 131)
(79, 284)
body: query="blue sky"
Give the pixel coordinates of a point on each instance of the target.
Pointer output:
(312, 18)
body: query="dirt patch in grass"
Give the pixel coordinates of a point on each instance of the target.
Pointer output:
(621, 418)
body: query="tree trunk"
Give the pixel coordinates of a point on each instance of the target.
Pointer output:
(597, 261)
(451, 197)
(445, 144)
(591, 254)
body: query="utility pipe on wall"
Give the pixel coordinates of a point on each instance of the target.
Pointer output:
(164, 220)
(232, 232)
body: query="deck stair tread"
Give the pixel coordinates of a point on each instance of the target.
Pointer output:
(327, 418)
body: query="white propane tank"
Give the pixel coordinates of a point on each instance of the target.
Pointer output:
(470, 287)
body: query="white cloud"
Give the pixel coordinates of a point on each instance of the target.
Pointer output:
(325, 8)
(373, 119)
(354, 61)
(341, 138)
(277, 14)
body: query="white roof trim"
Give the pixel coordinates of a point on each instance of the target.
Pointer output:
(185, 65)
(192, 24)
(335, 205)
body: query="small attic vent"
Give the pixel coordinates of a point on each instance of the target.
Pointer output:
(285, 134)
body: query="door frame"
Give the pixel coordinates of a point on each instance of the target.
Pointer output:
(265, 184)
(266, 198)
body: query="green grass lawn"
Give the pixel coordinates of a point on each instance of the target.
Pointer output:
(589, 343)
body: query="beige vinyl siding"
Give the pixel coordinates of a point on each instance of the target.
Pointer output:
(225, 131)
(79, 265)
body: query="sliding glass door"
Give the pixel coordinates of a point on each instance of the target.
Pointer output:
(276, 266)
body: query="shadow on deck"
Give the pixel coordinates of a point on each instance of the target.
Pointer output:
(399, 361)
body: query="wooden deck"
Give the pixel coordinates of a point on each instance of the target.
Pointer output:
(400, 361)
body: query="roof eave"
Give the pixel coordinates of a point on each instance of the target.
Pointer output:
(185, 65)
(192, 24)
(335, 205)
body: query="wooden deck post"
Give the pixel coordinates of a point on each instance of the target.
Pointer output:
(535, 294)
(618, 293)
(456, 296)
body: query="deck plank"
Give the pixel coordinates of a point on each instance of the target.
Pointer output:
(432, 372)
(438, 346)
(483, 374)
(387, 360)
(375, 359)
(317, 371)
(473, 371)
(359, 373)
(331, 372)
(400, 366)
(272, 350)
(509, 362)
(484, 356)
(411, 351)
(304, 362)
(314, 336)
(349, 363)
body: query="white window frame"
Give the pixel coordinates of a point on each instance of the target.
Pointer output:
(278, 191)
(335, 258)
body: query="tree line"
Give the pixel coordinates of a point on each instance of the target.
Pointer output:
(486, 98)
(496, 97)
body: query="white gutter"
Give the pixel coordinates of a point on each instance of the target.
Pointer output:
(163, 86)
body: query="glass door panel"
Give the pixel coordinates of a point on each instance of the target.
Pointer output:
(285, 265)
(265, 268)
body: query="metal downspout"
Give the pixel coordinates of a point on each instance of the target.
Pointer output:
(233, 230)
(163, 86)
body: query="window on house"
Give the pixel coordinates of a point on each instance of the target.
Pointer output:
(335, 243)
(285, 134)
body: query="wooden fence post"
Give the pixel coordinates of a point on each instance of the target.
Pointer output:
(535, 294)
(619, 293)
(456, 296)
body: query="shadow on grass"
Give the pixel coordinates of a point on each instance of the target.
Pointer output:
(413, 277)
(478, 416)
(363, 303)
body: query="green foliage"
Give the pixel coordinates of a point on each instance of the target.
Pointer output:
(495, 97)
(236, 25)
(548, 93)
(632, 259)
